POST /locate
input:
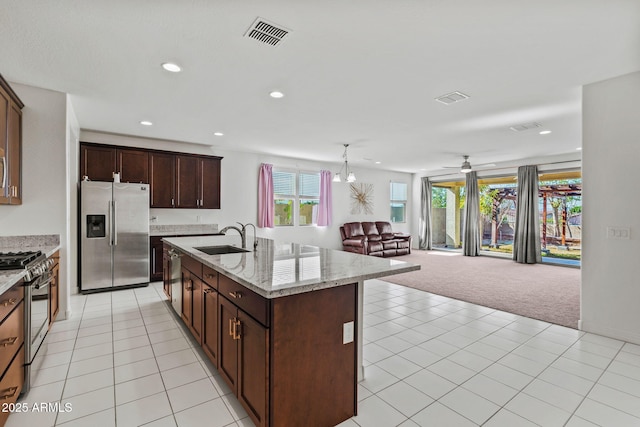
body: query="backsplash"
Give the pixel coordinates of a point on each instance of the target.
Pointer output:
(183, 228)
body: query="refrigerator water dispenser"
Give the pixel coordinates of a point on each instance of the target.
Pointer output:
(96, 226)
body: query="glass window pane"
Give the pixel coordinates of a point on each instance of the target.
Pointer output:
(308, 211)
(309, 184)
(398, 191)
(397, 212)
(284, 183)
(283, 214)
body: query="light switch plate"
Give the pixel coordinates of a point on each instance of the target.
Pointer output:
(347, 332)
(618, 233)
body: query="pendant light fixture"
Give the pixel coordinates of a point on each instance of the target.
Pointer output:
(349, 175)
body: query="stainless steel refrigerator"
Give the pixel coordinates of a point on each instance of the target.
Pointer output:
(114, 235)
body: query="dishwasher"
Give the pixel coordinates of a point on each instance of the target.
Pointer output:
(176, 280)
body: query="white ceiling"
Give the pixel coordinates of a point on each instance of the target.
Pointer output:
(359, 72)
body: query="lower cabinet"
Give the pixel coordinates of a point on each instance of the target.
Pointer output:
(210, 323)
(285, 359)
(244, 359)
(54, 289)
(192, 303)
(11, 346)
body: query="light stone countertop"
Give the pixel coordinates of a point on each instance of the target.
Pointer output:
(47, 244)
(279, 269)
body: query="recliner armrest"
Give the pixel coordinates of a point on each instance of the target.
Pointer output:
(354, 242)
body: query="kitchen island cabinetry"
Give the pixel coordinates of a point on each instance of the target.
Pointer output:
(288, 322)
(10, 145)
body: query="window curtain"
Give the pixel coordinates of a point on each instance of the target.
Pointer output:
(425, 242)
(325, 205)
(526, 241)
(471, 239)
(265, 196)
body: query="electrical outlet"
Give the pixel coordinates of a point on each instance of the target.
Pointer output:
(347, 332)
(618, 233)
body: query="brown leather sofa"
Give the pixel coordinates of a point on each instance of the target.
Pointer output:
(374, 238)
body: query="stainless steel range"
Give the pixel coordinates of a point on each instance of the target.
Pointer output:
(36, 309)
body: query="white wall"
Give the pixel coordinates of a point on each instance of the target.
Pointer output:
(44, 173)
(611, 150)
(239, 197)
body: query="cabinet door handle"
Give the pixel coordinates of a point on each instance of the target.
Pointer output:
(236, 329)
(208, 291)
(9, 302)
(12, 392)
(210, 276)
(231, 323)
(172, 202)
(9, 341)
(236, 294)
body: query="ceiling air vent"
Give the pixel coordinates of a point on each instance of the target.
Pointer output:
(452, 98)
(525, 126)
(266, 32)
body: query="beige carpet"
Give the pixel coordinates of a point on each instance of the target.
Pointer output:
(539, 291)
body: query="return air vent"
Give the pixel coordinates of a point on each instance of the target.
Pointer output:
(452, 98)
(266, 32)
(525, 126)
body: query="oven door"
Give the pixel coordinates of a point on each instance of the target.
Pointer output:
(37, 297)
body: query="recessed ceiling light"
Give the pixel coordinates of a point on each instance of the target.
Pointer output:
(276, 94)
(545, 132)
(170, 66)
(579, 148)
(146, 123)
(218, 133)
(377, 163)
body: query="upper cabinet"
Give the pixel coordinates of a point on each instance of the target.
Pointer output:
(99, 163)
(10, 146)
(162, 169)
(176, 180)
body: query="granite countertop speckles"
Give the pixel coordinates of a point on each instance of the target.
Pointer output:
(280, 269)
(48, 244)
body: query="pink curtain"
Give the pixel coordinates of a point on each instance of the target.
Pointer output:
(325, 207)
(265, 196)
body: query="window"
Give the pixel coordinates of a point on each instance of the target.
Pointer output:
(398, 201)
(296, 197)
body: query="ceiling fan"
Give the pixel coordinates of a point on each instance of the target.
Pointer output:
(466, 166)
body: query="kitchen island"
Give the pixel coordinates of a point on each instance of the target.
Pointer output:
(282, 324)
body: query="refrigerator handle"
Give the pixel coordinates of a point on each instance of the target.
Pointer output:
(115, 225)
(110, 223)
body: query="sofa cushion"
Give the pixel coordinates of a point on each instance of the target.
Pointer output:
(353, 229)
(371, 231)
(359, 242)
(376, 247)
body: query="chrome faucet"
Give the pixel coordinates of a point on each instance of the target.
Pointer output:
(243, 234)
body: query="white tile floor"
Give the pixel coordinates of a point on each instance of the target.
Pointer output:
(123, 359)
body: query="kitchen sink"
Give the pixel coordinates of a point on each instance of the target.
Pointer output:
(222, 249)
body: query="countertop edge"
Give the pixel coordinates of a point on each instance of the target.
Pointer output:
(7, 281)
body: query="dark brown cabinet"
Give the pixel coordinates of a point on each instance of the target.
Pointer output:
(209, 183)
(176, 180)
(12, 339)
(162, 170)
(187, 174)
(210, 323)
(156, 259)
(192, 294)
(54, 289)
(99, 163)
(244, 358)
(10, 146)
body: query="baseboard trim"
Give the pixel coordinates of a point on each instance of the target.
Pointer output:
(616, 333)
